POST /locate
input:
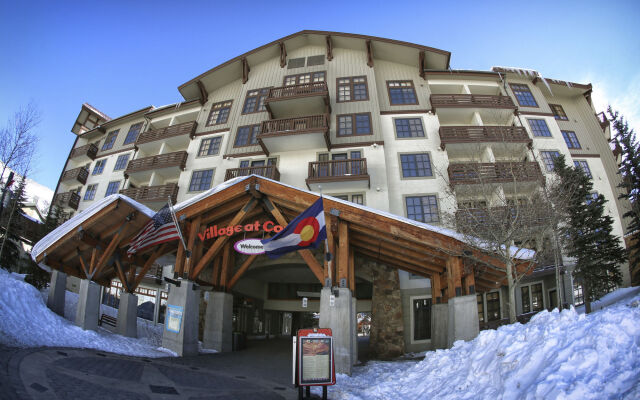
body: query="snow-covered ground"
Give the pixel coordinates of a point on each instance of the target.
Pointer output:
(25, 321)
(564, 355)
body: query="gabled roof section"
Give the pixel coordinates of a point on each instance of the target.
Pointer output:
(382, 48)
(88, 119)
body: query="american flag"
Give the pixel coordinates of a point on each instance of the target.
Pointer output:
(160, 229)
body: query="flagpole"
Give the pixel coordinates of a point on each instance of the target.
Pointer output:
(175, 221)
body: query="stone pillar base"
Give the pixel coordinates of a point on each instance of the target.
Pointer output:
(463, 319)
(57, 290)
(339, 318)
(88, 305)
(181, 319)
(218, 323)
(439, 322)
(127, 324)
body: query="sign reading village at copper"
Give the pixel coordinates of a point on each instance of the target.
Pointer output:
(315, 366)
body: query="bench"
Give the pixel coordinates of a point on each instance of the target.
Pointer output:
(108, 320)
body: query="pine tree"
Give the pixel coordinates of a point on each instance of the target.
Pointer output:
(630, 170)
(36, 275)
(589, 238)
(9, 251)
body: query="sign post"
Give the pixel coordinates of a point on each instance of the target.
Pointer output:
(314, 363)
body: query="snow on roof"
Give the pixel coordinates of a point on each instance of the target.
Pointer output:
(95, 110)
(77, 220)
(520, 253)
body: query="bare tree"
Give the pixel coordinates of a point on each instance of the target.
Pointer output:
(18, 140)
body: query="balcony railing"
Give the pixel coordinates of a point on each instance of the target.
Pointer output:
(268, 171)
(67, 199)
(187, 128)
(289, 126)
(479, 134)
(177, 159)
(295, 91)
(338, 170)
(80, 174)
(474, 173)
(88, 150)
(471, 100)
(152, 193)
(489, 218)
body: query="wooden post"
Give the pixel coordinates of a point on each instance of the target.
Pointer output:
(343, 254)
(352, 273)
(436, 292)
(215, 278)
(193, 233)
(226, 260)
(454, 277)
(178, 268)
(470, 283)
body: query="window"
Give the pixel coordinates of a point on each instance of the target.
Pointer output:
(523, 95)
(254, 102)
(301, 79)
(91, 192)
(480, 301)
(421, 319)
(201, 180)
(422, 208)
(354, 198)
(219, 113)
(578, 295)
(132, 135)
(401, 92)
(247, 135)
(548, 157)
(539, 127)
(558, 112)
(571, 139)
(493, 306)
(295, 63)
(531, 296)
(99, 167)
(409, 127)
(110, 140)
(315, 60)
(415, 165)
(121, 162)
(352, 89)
(210, 146)
(346, 123)
(112, 188)
(582, 164)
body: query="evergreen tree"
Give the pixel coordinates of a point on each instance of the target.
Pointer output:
(9, 250)
(588, 233)
(630, 171)
(36, 275)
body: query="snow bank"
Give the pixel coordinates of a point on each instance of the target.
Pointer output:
(563, 355)
(25, 321)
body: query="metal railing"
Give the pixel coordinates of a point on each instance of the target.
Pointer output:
(338, 169)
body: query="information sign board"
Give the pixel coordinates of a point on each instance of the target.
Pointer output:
(315, 357)
(174, 318)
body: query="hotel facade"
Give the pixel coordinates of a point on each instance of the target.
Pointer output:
(377, 122)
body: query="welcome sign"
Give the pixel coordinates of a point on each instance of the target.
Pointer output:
(249, 246)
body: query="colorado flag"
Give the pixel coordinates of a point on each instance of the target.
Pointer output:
(307, 230)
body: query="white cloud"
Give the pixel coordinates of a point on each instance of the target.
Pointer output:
(625, 101)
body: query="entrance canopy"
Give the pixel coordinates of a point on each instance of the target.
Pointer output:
(92, 245)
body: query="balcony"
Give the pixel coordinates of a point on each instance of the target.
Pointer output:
(296, 100)
(268, 171)
(288, 134)
(166, 165)
(496, 218)
(84, 153)
(459, 109)
(471, 100)
(500, 172)
(336, 175)
(153, 194)
(72, 176)
(175, 136)
(67, 200)
(463, 141)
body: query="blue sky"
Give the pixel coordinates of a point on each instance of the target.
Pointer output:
(121, 56)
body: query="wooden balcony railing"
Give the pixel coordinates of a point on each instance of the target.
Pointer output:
(268, 171)
(471, 100)
(176, 159)
(80, 174)
(479, 134)
(337, 170)
(67, 199)
(295, 91)
(288, 126)
(474, 173)
(489, 218)
(186, 128)
(89, 150)
(153, 193)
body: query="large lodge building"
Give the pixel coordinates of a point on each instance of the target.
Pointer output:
(369, 121)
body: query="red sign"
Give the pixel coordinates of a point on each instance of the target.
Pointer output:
(314, 358)
(215, 231)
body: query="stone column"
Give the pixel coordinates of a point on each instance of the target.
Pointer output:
(57, 290)
(463, 319)
(88, 305)
(439, 322)
(387, 323)
(340, 318)
(181, 319)
(218, 323)
(127, 324)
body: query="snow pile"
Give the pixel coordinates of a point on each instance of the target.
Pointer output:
(25, 321)
(555, 355)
